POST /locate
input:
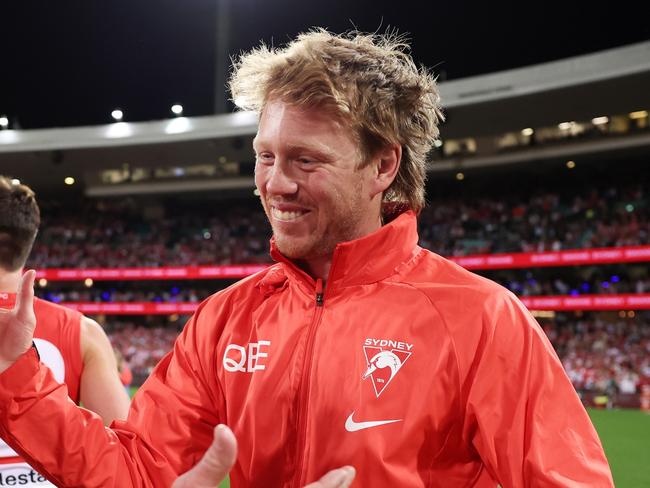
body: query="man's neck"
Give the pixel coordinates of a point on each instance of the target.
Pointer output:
(317, 267)
(9, 280)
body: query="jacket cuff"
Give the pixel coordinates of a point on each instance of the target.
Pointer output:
(14, 379)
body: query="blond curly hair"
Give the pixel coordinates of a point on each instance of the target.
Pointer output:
(367, 81)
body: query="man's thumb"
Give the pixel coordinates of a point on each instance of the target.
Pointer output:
(24, 306)
(215, 463)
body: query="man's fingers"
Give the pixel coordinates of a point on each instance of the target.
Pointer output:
(215, 463)
(337, 478)
(24, 307)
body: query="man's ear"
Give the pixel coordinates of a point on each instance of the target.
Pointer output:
(386, 163)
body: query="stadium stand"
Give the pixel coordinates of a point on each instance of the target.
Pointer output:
(111, 233)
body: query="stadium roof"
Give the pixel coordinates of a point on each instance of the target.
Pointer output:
(612, 81)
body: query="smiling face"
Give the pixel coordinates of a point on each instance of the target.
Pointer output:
(312, 186)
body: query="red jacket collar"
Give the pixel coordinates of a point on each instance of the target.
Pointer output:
(365, 260)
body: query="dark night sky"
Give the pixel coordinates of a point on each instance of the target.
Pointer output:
(69, 63)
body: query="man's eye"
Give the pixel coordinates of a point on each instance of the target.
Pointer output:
(305, 160)
(265, 158)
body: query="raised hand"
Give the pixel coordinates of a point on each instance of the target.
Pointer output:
(221, 455)
(17, 325)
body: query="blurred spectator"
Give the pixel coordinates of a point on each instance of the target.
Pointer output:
(126, 376)
(143, 346)
(603, 355)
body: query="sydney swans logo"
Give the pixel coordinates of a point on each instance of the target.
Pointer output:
(384, 358)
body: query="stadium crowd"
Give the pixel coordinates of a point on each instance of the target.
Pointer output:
(547, 221)
(112, 233)
(143, 342)
(128, 292)
(602, 354)
(529, 284)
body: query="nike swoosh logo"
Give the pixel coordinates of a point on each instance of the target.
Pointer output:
(352, 426)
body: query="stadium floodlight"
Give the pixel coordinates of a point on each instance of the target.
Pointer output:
(639, 114)
(570, 164)
(42, 282)
(15, 182)
(119, 129)
(565, 125)
(69, 180)
(545, 314)
(117, 114)
(4, 121)
(600, 120)
(527, 132)
(177, 109)
(437, 143)
(460, 176)
(88, 282)
(178, 125)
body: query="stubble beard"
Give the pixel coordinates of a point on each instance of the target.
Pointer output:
(344, 227)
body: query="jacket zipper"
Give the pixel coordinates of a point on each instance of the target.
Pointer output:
(304, 387)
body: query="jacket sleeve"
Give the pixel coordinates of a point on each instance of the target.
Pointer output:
(167, 430)
(523, 416)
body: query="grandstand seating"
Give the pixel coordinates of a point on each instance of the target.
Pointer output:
(110, 233)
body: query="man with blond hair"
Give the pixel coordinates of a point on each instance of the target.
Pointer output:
(357, 348)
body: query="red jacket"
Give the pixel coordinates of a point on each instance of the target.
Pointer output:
(58, 339)
(412, 369)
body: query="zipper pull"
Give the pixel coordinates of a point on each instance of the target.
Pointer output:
(319, 292)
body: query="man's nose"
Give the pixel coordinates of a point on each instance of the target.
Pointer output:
(281, 181)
